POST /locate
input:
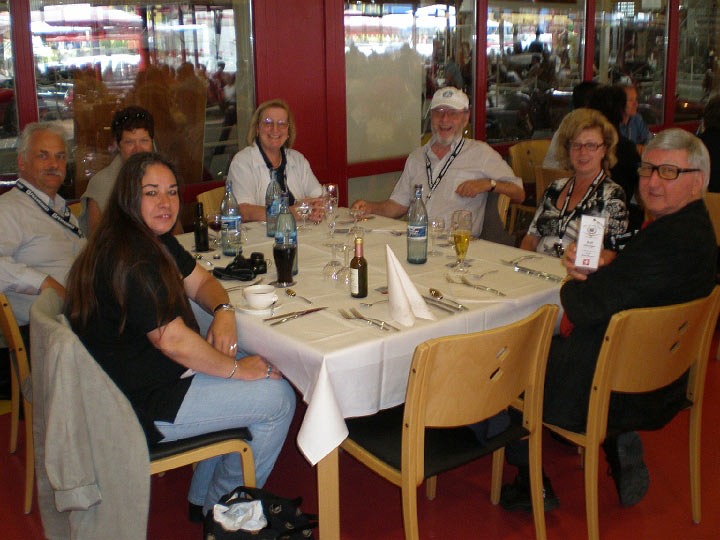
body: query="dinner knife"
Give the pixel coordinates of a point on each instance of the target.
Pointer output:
(531, 272)
(441, 305)
(279, 319)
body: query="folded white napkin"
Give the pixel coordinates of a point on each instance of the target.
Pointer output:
(406, 303)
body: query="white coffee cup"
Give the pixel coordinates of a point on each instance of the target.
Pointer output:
(260, 296)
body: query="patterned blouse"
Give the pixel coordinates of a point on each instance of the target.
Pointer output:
(607, 201)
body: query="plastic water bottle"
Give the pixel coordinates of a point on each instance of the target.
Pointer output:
(286, 230)
(417, 230)
(272, 203)
(231, 220)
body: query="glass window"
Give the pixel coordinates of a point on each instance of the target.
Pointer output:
(396, 56)
(8, 111)
(698, 70)
(534, 59)
(185, 63)
(630, 48)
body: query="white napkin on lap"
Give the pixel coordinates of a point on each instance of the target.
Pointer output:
(406, 303)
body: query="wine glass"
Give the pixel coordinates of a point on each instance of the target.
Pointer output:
(344, 275)
(330, 270)
(330, 207)
(214, 220)
(331, 192)
(461, 227)
(437, 227)
(356, 214)
(235, 239)
(303, 209)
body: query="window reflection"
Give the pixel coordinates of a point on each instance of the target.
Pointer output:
(179, 61)
(698, 76)
(630, 49)
(534, 60)
(8, 111)
(396, 56)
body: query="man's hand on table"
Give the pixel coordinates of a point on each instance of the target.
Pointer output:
(581, 274)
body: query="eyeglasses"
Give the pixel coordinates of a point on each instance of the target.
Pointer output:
(450, 113)
(269, 123)
(666, 172)
(590, 146)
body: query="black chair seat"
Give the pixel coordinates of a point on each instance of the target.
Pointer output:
(445, 448)
(172, 448)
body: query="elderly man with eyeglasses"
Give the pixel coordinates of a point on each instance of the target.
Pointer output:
(456, 173)
(670, 260)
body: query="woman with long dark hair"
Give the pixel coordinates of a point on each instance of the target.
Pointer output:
(127, 299)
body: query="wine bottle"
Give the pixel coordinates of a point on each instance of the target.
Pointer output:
(230, 221)
(200, 229)
(358, 272)
(417, 237)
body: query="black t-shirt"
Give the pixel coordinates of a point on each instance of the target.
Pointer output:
(150, 380)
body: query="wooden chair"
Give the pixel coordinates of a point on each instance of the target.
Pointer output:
(20, 375)
(455, 381)
(643, 350)
(525, 156)
(545, 176)
(503, 205)
(211, 199)
(712, 202)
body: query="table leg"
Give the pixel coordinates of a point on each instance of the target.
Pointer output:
(329, 496)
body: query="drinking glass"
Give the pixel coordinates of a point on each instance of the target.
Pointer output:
(461, 227)
(331, 269)
(235, 239)
(356, 214)
(330, 207)
(437, 227)
(331, 192)
(303, 209)
(214, 220)
(344, 275)
(284, 255)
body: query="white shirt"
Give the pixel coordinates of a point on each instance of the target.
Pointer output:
(249, 176)
(475, 160)
(32, 246)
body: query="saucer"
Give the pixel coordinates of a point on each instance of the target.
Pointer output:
(243, 307)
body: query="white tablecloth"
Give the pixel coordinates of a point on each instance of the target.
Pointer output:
(344, 368)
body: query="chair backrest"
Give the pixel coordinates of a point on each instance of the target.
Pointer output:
(525, 156)
(503, 205)
(545, 176)
(648, 348)
(712, 202)
(211, 199)
(460, 380)
(11, 333)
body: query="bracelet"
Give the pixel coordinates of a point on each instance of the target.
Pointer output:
(224, 307)
(233, 371)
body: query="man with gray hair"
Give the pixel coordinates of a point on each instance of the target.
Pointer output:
(670, 260)
(40, 237)
(456, 173)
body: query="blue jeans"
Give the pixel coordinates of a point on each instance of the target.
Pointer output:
(265, 407)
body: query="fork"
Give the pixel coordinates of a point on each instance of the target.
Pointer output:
(524, 258)
(466, 281)
(378, 322)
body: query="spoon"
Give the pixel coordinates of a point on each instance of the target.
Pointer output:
(203, 259)
(437, 294)
(291, 292)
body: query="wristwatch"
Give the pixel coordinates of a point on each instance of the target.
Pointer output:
(493, 184)
(224, 307)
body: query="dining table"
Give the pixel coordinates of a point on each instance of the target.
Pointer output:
(346, 367)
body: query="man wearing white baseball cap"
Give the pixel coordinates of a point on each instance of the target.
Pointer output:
(456, 173)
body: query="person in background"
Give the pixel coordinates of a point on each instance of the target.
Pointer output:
(711, 137)
(456, 173)
(127, 300)
(134, 130)
(580, 95)
(669, 261)
(270, 139)
(586, 146)
(40, 236)
(632, 125)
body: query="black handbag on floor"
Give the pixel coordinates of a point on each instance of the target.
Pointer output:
(285, 519)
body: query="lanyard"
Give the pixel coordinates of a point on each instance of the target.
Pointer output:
(64, 220)
(433, 184)
(564, 221)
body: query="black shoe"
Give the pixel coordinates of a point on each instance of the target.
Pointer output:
(516, 496)
(624, 453)
(195, 513)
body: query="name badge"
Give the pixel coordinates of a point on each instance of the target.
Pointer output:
(590, 242)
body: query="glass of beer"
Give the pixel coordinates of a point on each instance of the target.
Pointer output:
(284, 255)
(461, 226)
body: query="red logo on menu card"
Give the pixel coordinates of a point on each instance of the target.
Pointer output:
(586, 262)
